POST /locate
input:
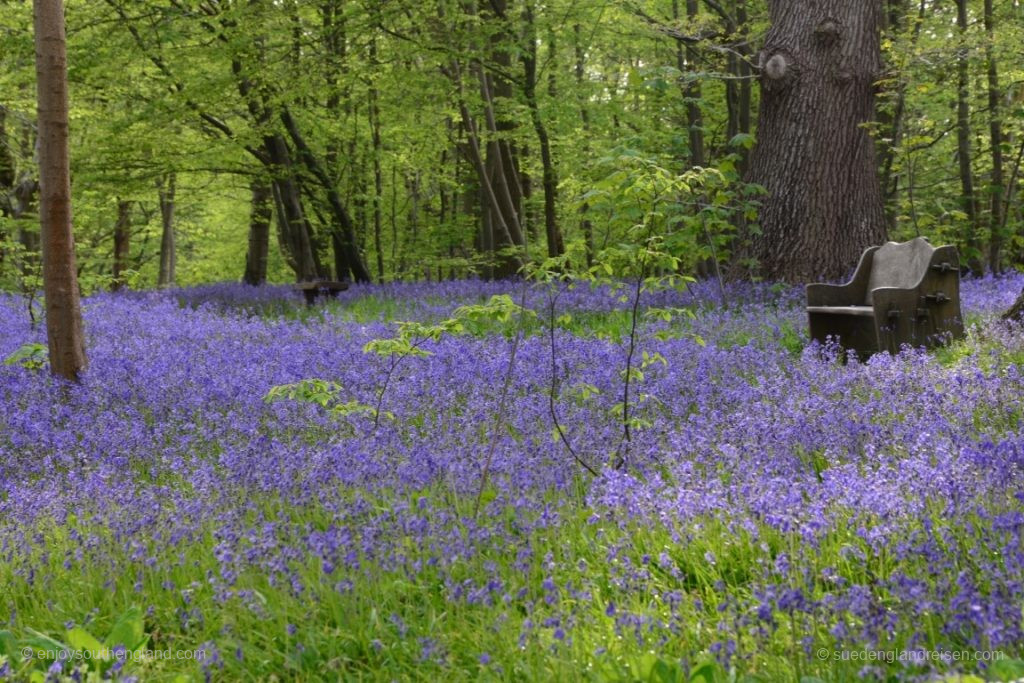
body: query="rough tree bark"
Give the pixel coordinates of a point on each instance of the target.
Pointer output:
(824, 206)
(64, 334)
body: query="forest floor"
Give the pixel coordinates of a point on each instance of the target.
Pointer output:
(416, 515)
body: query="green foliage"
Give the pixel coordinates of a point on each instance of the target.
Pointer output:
(320, 392)
(32, 356)
(615, 97)
(30, 657)
(408, 343)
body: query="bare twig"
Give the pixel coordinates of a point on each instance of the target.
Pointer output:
(552, 394)
(499, 422)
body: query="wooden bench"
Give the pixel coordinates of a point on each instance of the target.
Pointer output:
(906, 293)
(320, 288)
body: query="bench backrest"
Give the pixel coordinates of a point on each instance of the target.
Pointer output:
(899, 265)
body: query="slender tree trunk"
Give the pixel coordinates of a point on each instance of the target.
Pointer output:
(556, 246)
(65, 338)
(502, 163)
(586, 226)
(291, 218)
(503, 176)
(413, 188)
(493, 225)
(261, 213)
(686, 58)
(6, 160)
(893, 122)
(394, 216)
(813, 154)
(996, 138)
(6, 175)
(168, 256)
(975, 259)
(378, 179)
(122, 244)
(343, 230)
(743, 71)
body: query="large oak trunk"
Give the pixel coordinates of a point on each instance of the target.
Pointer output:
(814, 155)
(60, 280)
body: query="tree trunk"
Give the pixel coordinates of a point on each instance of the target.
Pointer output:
(64, 334)
(996, 237)
(586, 226)
(122, 244)
(553, 234)
(262, 212)
(892, 122)
(378, 178)
(412, 183)
(814, 155)
(502, 163)
(168, 255)
(291, 218)
(343, 233)
(6, 160)
(975, 260)
(686, 58)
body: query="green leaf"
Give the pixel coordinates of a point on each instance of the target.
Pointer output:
(128, 630)
(9, 645)
(663, 672)
(1007, 669)
(82, 640)
(705, 673)
(32, 356)
(744, 140)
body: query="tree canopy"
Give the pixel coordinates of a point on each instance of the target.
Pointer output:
(408, 140)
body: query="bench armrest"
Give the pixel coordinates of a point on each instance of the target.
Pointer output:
(831, 295)
(852, 293)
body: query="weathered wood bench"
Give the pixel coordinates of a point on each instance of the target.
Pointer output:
(906, 293)
(320, 288)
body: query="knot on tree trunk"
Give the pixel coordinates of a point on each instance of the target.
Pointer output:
(776, 67)
(827, 32)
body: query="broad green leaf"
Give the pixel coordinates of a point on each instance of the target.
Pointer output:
(128, 630)
(80, 639)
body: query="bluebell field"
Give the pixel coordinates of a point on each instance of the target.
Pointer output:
(773, 501)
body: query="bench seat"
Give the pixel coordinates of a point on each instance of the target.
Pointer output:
(843, 310)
